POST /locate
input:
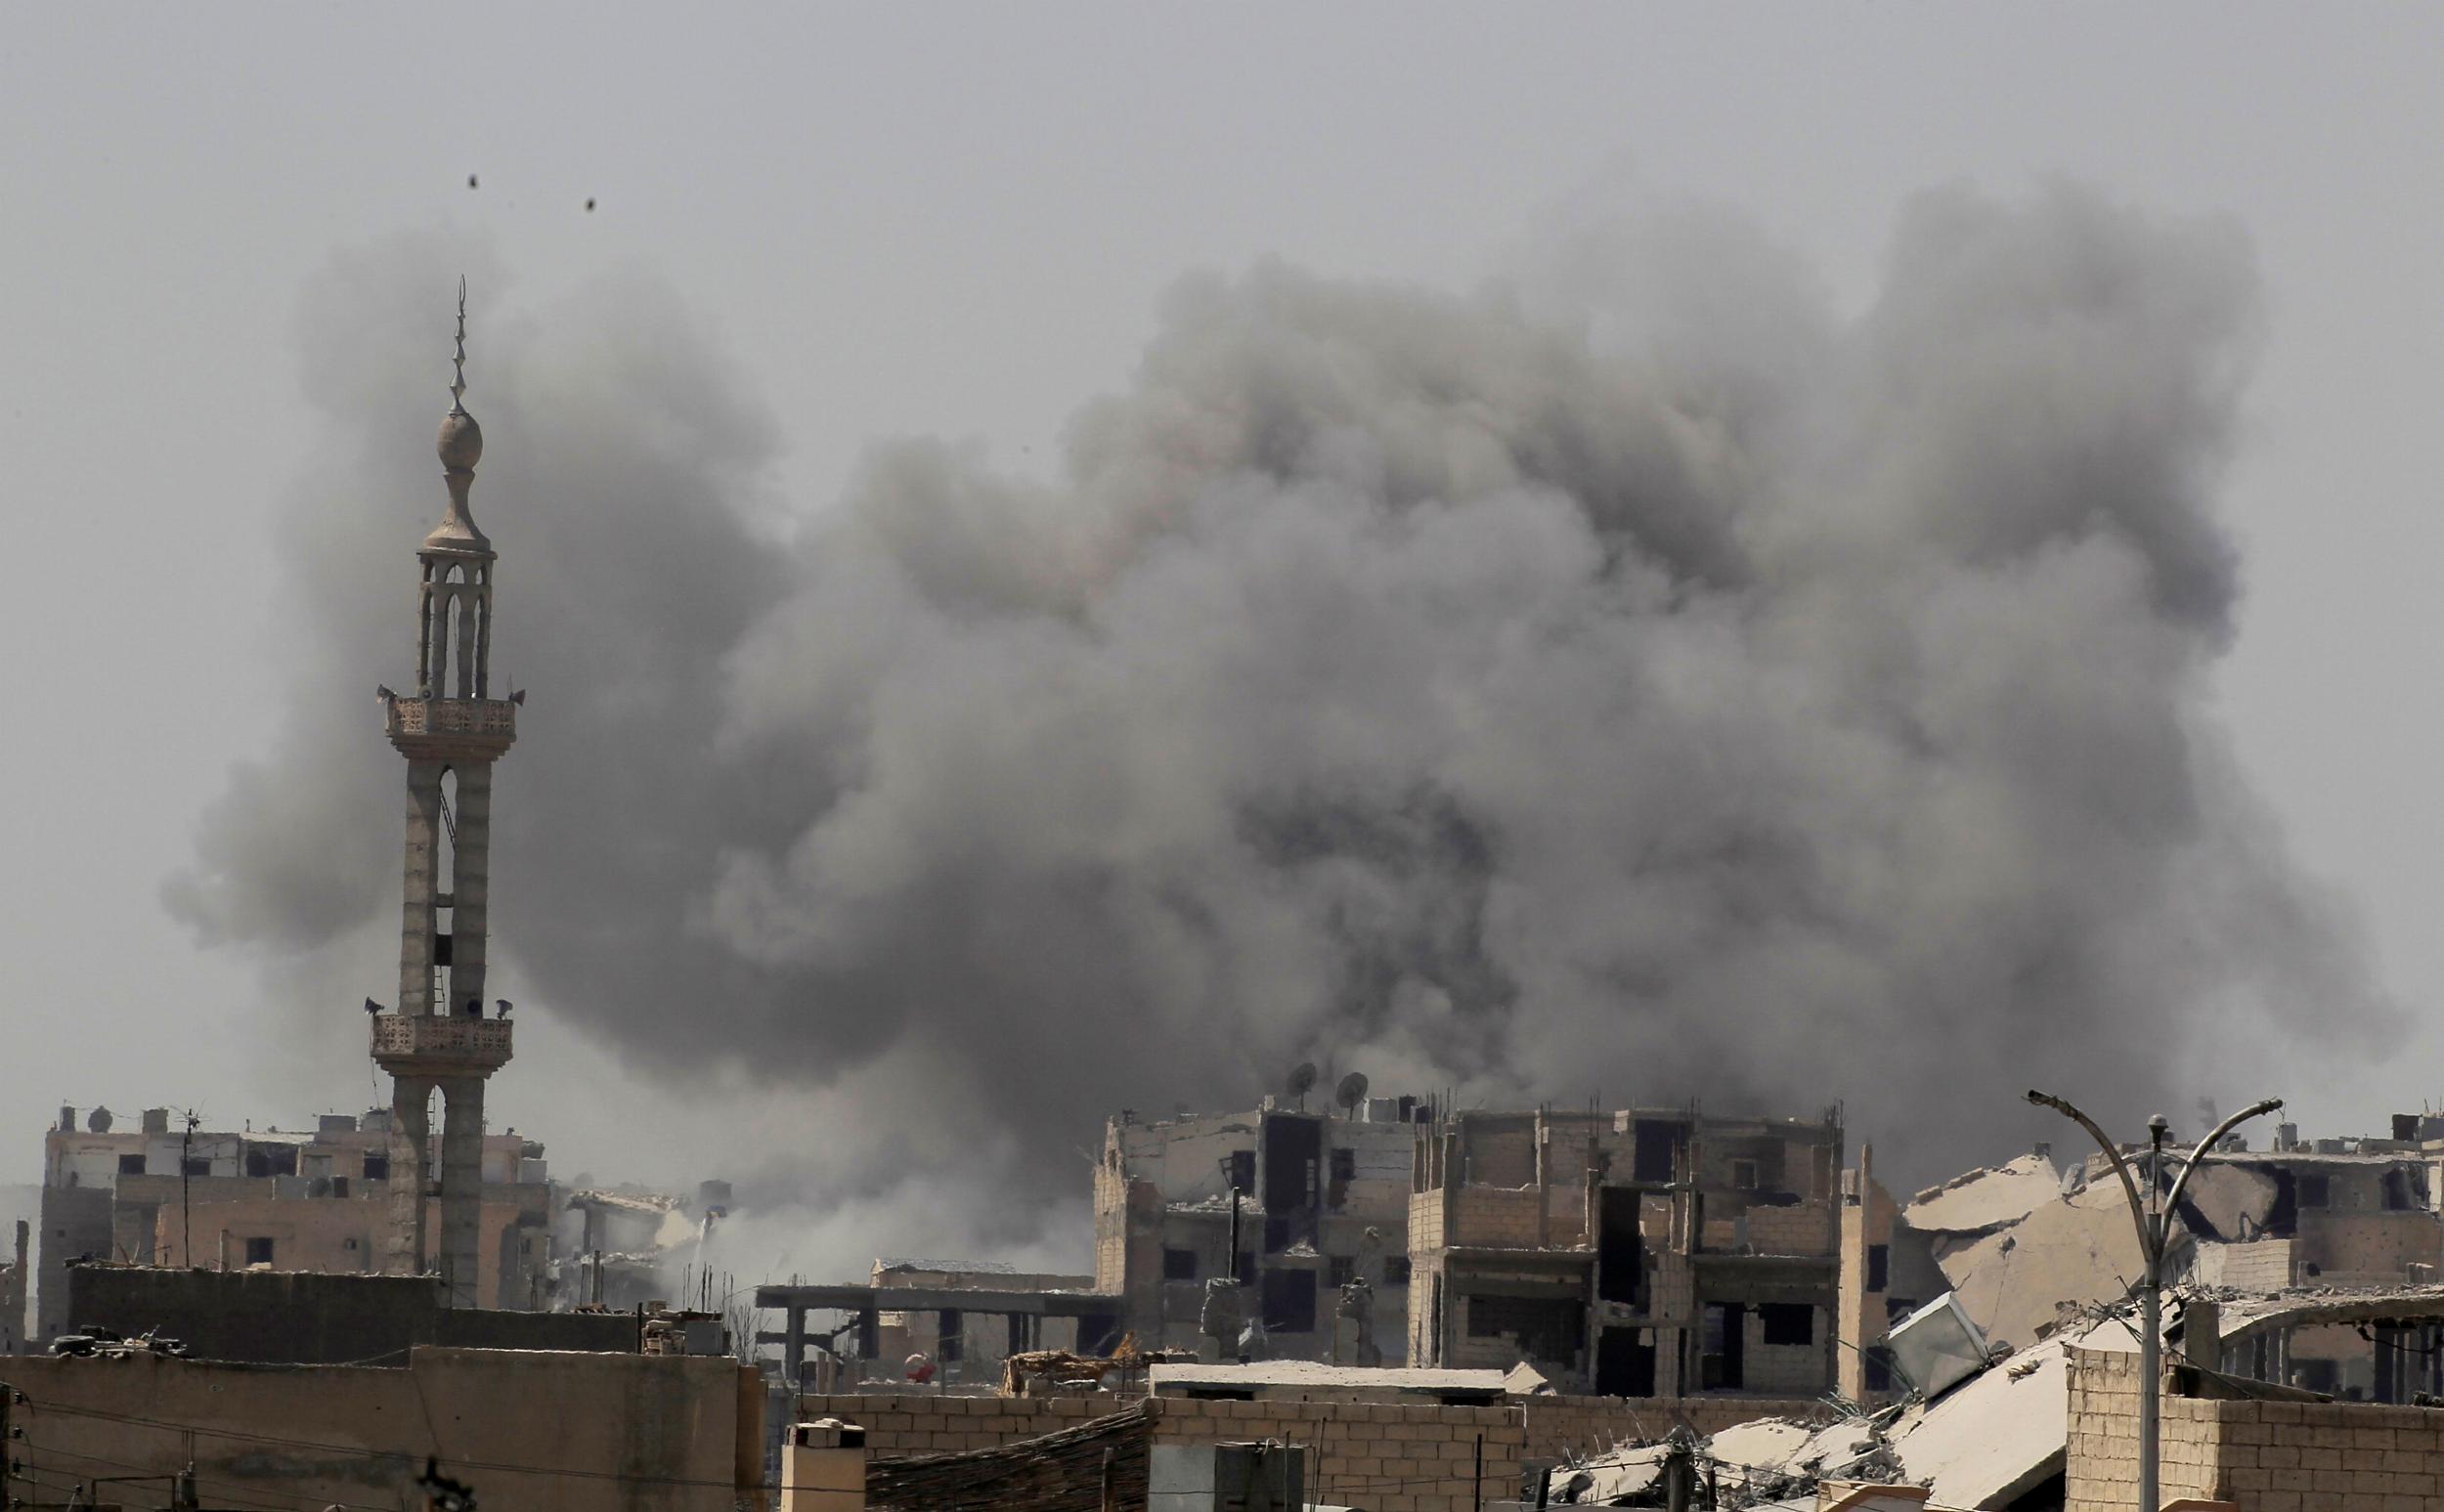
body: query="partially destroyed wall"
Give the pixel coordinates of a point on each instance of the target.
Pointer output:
(299, 1317)
(1559, 1425)
(538, 1432)
(2269, 1456)
(1404, 1458)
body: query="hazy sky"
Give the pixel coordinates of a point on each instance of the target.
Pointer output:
(958, 221)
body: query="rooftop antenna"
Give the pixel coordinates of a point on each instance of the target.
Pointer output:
(1301, 1079)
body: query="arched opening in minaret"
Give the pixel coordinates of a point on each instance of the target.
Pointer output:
(445, 880)
(449, 673)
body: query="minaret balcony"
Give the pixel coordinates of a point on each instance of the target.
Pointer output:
(446, 728)
(432, 1044)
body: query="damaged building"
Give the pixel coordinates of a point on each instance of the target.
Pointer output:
(1321, 1201)
(2023, 1244)
(1643, 1252)
(319, 1199)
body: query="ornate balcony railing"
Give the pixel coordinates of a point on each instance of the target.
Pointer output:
(426, 1035)
(493, 716)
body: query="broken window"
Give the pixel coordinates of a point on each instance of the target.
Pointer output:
(2396, 1191)
(1179, 1265)
(259, 1252)
(131, 1165)
(1657, 1149)
(1289, 1301)
(1243, 1171)
(1342, 1271)
(1879, 1361)
(1743, 1176)
(1395, 1270)
(1344, 1165)
(1276, 1235)
(1879, 1266)
(1787, 1322)
(2315, 1191)
(953, 1335)
(378, 1168)
(194, 1166)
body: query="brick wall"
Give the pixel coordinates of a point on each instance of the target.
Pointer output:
(1388, 1458)
(2270, 1457)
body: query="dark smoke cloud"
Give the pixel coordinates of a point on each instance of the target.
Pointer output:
(1639, 676)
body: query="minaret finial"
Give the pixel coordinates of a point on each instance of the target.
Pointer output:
(458, 363)
(461, 447)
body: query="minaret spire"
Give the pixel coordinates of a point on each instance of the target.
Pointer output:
(458, 363)
(461, 446)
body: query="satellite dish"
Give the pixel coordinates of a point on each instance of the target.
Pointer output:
(1352, 1090)
(1300, 1081)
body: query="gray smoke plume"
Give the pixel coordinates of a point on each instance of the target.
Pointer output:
(1638, 675)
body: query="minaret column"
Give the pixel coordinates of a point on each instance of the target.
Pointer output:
(411, 1150)
(461, 1187)
(470, 888)
(419, 882)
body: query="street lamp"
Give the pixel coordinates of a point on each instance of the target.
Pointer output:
(2150, 1218)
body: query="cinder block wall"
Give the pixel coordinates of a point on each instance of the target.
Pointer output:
(2270, 1457)
(1495, 1217)
(1807, 1229)
(1404, 1458)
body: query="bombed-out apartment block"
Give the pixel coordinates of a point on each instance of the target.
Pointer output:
(316, 1199)
(1323, 1202)
(1636, 1253)
(2022, 1246)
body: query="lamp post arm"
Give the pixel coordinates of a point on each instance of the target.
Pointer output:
(2190, 1168)
(2129, 1186)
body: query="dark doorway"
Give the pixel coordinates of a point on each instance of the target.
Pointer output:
(1624, 1366)
(1721, 1365)
(1620, 1250)
(1293, 1144)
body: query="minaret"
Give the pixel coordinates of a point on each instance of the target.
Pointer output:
(451, 730)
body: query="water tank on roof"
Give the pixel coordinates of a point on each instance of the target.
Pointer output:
(336, 1123)
(99, 1120)
(157, 1121)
